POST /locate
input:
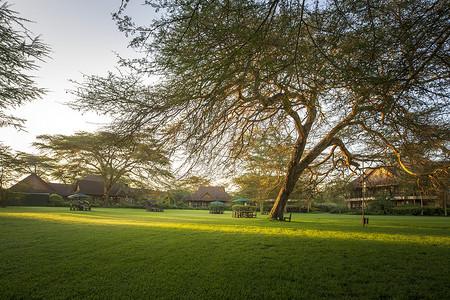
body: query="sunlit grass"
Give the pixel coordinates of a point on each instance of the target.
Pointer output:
(119, 253)
(197, 224)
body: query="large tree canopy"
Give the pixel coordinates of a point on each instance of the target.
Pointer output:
(137, 158)
(336, 77)
(19, 53)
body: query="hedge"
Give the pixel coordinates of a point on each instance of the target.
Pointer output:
(21, 199)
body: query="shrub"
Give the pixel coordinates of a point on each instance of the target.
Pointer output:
(325, 207)
(128, 205)
(4, 197)
(56, 200)
(181, 204)
(405, 210)
(22, 199)
(167, 205)
(433, 211)
(382, 204)
(339, 209)
(357, 211)
(294, 208)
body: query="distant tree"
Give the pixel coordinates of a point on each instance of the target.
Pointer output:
(428, 166)
(138, 158)
(334, 189)
(9, 166)
(40, 165)
(19, 52)
(192, 183)
(263, 166)
(257, 187)
(344, 77)
(177, 196)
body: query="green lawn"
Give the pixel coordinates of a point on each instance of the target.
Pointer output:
(183, 254)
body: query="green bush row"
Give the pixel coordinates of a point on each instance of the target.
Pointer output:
(416, 210)
(8, 198)
(404, 210)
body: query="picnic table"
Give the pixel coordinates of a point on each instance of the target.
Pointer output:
(155, 208)
(80, 205)
(216, 209)
(244, 213)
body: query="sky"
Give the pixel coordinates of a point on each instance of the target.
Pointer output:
(84, 40)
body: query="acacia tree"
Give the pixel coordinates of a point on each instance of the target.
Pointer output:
(192, 183)
(430, 172)
(15, 164)
(8, 166)
(337, 77)
(263, 167)
(108, 154)
(19, 53)
(40, 165)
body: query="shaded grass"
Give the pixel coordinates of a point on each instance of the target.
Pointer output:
(129, 254)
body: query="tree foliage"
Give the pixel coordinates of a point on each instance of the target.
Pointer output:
(13, 165)
(341, 79)
(137, 158)
(19, 53)
(9, 166)
(263, 167)
(192, 183)
(40, 165)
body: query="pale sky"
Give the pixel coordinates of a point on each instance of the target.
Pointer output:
(83, 38)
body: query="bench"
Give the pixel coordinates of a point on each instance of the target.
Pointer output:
(288, 219)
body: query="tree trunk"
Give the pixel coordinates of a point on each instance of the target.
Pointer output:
(445, 203)
(421, 204)
(105, 196)
(292, 176)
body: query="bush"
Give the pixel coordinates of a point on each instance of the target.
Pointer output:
(181, 204)
(339, 209)
(433, 211)
(325, 207)
(416, 210)
(4, 197)
(382, 204)
(406, 210)
(128, 205)
(357, 211)
(22, 199)
(167, 205)
(96, 203)
(293, 209)
(57, 200)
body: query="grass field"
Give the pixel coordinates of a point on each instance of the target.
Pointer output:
(182, 254)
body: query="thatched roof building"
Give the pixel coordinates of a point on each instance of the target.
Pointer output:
(207, 194)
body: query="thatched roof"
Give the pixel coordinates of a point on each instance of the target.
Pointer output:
(379, 176)
(92, 185)
(62, 189)
(32, 184)
(209, 193)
